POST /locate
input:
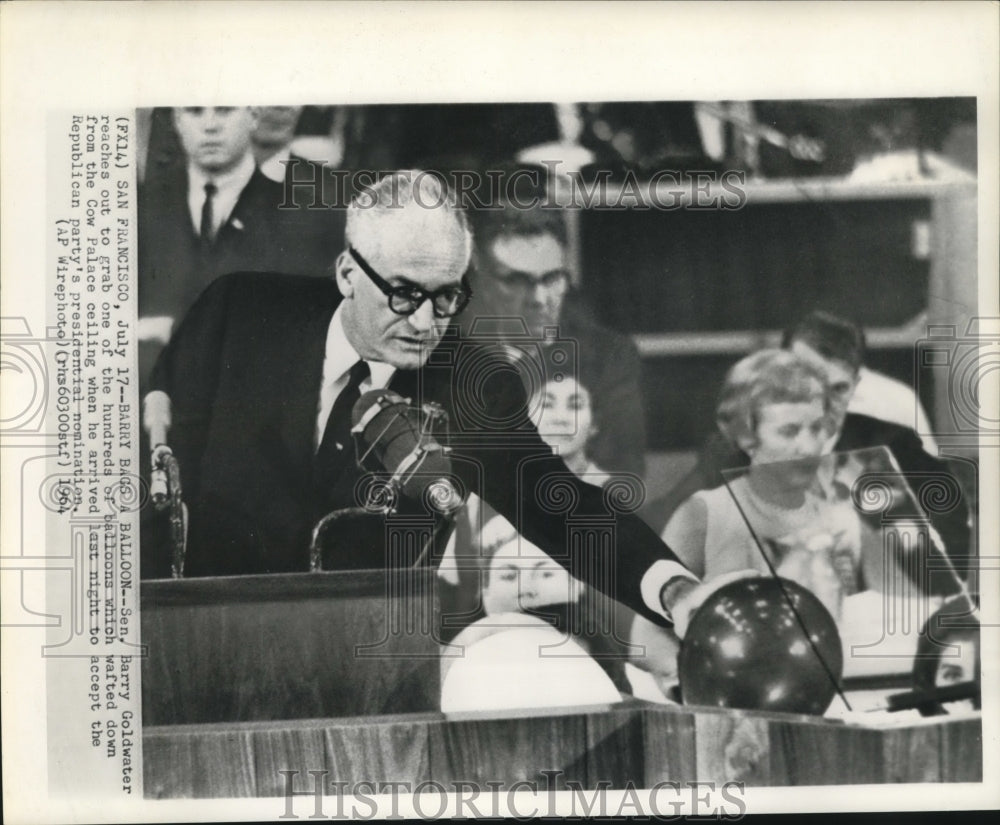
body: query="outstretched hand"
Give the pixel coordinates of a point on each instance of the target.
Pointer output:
(692, 596)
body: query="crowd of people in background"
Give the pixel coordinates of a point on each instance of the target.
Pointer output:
(217, 205)
(221, 206)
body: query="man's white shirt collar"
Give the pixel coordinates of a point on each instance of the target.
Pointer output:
(229, 188)
(338, 359)
(274, 167)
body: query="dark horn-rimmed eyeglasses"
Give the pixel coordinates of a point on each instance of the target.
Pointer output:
(406, 299)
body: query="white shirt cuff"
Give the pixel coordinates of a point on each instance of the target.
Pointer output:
(656, 578)
(155, 328)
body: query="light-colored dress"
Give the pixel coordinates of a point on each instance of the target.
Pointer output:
(818, 544)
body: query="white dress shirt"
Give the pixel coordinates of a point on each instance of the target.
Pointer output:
(337, 362)
(229, 187)
(274, 167)
(880, 396)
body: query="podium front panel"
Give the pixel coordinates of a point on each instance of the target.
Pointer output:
(633, 745)
(289, 646)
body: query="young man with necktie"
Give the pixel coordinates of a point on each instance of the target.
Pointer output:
(213, 214)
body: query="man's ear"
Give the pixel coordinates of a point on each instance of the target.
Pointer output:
(254, 116)
(345, 273)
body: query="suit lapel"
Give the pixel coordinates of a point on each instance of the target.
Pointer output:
(298, 407)
(241, 219)
(168, 204)
(176, 202)
(185, 262)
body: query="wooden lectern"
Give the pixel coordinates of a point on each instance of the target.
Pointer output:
(294, 646)
(338, 672)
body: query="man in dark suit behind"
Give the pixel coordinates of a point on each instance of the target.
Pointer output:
(212, 214)
(259, 370)
(522, 282)
(836, 347)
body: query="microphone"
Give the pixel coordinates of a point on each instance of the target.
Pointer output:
(165, 475)
(398, 436)
(156, 421)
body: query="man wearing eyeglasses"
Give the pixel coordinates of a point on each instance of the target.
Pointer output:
(265, 369)
(522, 281)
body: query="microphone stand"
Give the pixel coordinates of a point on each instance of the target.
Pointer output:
(167, 492)
(447, 521)
(440, 497)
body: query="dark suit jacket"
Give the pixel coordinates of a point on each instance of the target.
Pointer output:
(244, 371)
(257, 236)
(857, 432)
(606, 363)
(173, 270)
(610, 368)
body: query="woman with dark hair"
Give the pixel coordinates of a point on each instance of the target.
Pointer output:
(535, 645)
(948, 654)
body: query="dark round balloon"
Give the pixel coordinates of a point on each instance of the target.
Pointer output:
(744, 648)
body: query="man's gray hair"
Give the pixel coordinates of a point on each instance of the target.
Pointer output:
(405, 189)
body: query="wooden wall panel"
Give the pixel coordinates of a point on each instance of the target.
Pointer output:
(732, 747)
(301, 748)
(390, 752)
(510, 750)
(198, 763)
(824, 753)
(912, 754)
(615, 751)
(668, 745)
(643, 744)
(962, 751)
(285, 647)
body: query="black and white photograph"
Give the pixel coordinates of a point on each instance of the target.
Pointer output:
(584, 448)
(414, 384)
